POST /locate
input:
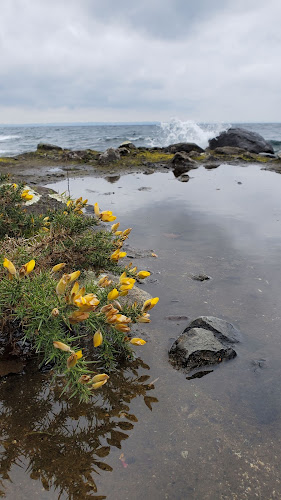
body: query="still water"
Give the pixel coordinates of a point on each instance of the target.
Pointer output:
(151, 433)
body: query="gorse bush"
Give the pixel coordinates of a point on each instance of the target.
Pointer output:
(73, 326)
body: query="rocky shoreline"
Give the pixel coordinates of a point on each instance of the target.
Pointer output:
(50, 162)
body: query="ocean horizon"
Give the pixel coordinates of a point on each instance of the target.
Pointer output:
(16, 139)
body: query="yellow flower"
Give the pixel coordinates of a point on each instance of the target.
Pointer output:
(106, 309)
(113, 294)
(26, 196)
(149, 304)
(58, 267)
(143, 274)
(123, 277)
(100, 377)
(137, 341)
(10, 267)
(122, 327)
(121, 318)
(84, 379)
(27, 268)
(87, 303)
(62, 284)
(111, 319)
(99, 384)
(104, 282)
(114, 227)
(144, 318)
(118, 233)
(96, 209)
(97, 339)
(61, 346)
(127, 284)
(46, 229)
(127, 231)
(107, 216)
(55, 312)
(72, 360)
(79, 354)
(117, 255)
(78, 316)
(74, 276)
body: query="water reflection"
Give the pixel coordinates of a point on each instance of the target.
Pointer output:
(61, 443)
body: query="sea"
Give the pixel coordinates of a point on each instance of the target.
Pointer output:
(17, 139)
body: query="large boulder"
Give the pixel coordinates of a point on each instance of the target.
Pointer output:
(109, 156)
(241, 138)
(206, 341)
(184, 146)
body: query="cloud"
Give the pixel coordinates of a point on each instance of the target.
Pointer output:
(145, 61)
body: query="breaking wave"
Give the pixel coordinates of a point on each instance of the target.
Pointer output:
(8, 137)
(177, 130)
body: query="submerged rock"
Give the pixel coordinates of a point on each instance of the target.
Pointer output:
(241, 138)
(206, 341)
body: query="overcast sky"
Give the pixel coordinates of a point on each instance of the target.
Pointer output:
(119, 60)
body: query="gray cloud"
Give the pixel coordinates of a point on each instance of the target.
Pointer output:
(199, 60)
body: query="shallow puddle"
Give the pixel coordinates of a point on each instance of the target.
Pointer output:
(151, 433)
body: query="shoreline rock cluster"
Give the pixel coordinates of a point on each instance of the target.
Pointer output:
(235, 146)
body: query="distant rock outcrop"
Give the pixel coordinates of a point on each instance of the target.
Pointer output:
(241, 138)
(42, 146)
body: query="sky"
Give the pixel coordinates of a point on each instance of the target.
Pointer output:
(118, 60)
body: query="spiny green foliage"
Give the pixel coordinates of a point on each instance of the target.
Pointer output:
(14, 221)
(31, 306)
(44, 310)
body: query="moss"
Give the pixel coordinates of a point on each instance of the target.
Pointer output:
(263, 159)
(139, 157)
(7, 160)
(201, 157)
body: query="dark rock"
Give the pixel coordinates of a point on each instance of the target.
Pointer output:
(112, 178)
(48, 147)
(176, 318)
(109, 156)
(229, 150)
(182, 177)
(206, 341)
(223, 330)
(182, 163)
(127, 144)
(187, 147)
(241, 138)
(124, 151)
(200, 277)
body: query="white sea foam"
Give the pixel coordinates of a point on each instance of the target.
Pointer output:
(177, 130)
(8, 137)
